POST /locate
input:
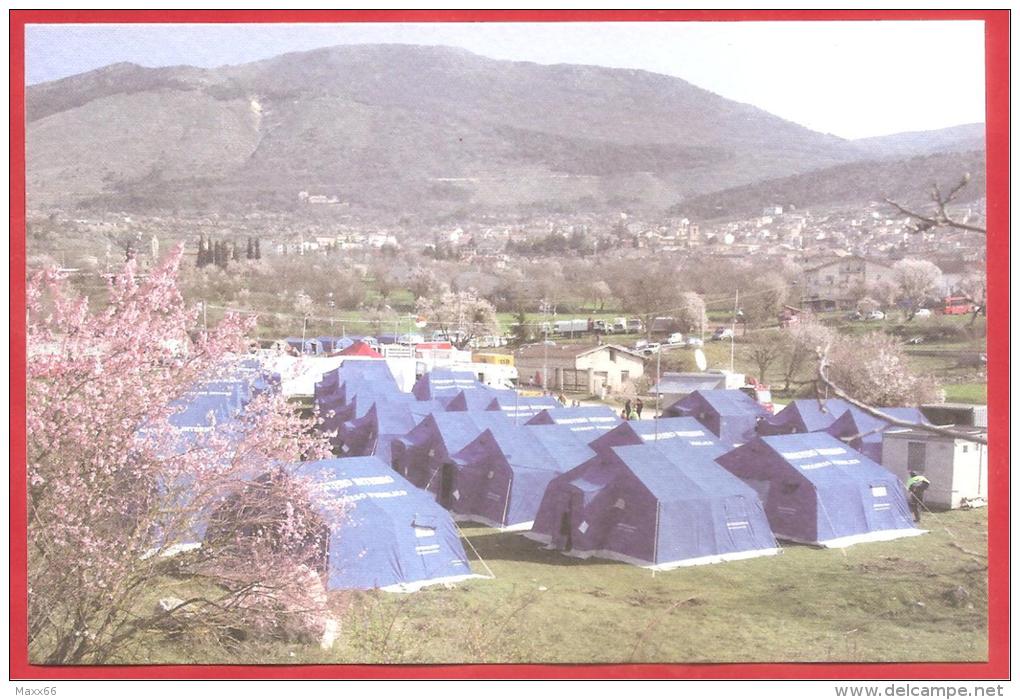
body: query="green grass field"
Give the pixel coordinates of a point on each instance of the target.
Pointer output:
(967, 393)
(877, 602)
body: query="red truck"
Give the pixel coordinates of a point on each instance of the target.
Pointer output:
(957, 306)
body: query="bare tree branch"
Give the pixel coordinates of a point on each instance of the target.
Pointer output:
(941, 217)
(823, 376)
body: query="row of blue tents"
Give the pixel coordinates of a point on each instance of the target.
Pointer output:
(836, 417)
(326, 344)
(219, 401)
(697, 486)
(657, 493)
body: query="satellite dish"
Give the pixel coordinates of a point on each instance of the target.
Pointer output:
(700, 360)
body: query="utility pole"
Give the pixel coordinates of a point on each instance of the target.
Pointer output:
(545, 343)
(658, 389)
(733, 326)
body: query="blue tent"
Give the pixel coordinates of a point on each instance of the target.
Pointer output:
(501, 476)
(369, 371)
(329, 383)
(665, 433)
(258, 378)
(816, 490)
(521, 408)
(327, 343)
(585, 419)
(443, 385)
(373, 430)
(803, 416)
(864, 431)
(479, 398)
(653, 508)
(421, 454)
(392, 536)
(198, 412)
(237, 392)
(339, 386)
(729, 413)
(355, 398)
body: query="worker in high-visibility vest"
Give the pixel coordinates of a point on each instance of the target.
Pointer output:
(917, 484)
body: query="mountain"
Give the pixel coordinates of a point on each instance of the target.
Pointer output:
(906, 180)
(399, 128)
(955, 139)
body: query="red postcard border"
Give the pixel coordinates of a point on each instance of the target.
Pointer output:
(998, 137)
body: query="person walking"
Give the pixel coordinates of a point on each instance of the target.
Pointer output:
(917, 484)
(626, 409)
(638, 407)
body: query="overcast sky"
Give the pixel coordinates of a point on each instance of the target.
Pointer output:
(852, 79)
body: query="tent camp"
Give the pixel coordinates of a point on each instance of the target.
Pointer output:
(729, 413)
(664, 433)
(421, 453)
(865, 431)
(583, 419)
(803, 416)
(653, 508)
(372, 431)
(816, 490)
(520, 408)
(500, 477)
(443, 385)
(392, 536)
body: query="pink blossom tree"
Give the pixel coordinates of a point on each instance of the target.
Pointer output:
(116, 493)
(873, 369)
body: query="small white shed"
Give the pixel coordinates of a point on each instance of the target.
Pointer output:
(957, 468)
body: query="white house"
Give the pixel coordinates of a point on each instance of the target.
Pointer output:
(580, 368)
(957, 468)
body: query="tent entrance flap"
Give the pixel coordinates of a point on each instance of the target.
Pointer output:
(447, 477)
(569, 517)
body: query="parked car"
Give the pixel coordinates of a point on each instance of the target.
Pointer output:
(722, 333)
(694, 342)
(923, 313)
(640, 344)
(651, 349)
(675, 339)
(916, 340)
